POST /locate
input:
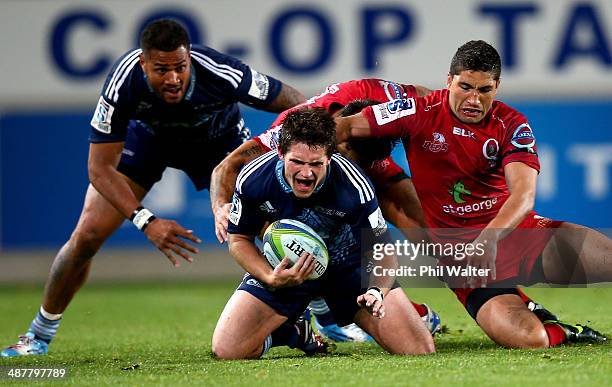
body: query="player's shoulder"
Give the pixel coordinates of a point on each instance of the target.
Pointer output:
(507, 116)
(351, 183)
(123, 72)
(253, 175)
(218, 65)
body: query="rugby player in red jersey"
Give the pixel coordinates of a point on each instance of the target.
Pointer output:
(474, 165)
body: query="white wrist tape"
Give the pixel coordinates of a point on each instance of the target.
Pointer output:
(141, 218)
(376, 292)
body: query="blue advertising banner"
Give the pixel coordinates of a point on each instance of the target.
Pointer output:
(43, 173)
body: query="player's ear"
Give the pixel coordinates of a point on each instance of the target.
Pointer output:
(449, 80)
(280, 154)
(141, 60)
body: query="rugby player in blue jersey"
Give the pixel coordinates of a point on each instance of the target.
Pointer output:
(166, 104)
(306, 181)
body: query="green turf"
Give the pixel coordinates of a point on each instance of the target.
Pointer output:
(144, 334)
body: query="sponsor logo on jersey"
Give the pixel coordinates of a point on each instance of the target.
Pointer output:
(260, 85)
(393, 110)
(457, 191)
(101, 120)
(392, 90)
(463, 133)
(267, 207)
(330, 212)
(377, 221)
(468, 208)
(490, 151)
(523, 138)
(236, 211)
(437, 145)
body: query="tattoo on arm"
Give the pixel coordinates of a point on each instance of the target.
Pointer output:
(252, 152)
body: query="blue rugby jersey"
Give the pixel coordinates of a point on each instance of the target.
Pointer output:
(341, 208)
(209, 109)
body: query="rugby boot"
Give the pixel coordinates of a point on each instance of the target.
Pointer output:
(579, 333)
(308, 341)
(27, 345)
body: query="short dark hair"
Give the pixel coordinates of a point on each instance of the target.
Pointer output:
(476, 55)
(164, 35)
(314, 127)
(368, 149)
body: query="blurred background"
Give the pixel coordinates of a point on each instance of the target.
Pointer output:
(557, 57)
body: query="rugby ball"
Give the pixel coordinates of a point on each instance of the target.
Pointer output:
(290, 238)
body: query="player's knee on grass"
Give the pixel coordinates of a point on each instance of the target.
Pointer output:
(508, 322)
(231, 350)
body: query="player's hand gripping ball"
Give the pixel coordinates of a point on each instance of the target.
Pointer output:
(290, 238)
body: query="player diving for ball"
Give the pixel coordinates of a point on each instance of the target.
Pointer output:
(305, 180)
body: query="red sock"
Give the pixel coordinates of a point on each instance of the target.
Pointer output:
(556, 334)
(421, 310)
(525, 298)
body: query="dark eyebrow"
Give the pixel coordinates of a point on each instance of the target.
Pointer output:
(177, 64)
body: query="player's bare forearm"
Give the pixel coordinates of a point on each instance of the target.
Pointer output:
(286, 99)
(244, 251)
(223, 179)
(354, 126)
(521, 180)
(103, 175)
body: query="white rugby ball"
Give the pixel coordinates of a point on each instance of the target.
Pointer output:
(290, 238)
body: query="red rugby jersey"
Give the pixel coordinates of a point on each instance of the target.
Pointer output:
(338, 95)
(457, 168)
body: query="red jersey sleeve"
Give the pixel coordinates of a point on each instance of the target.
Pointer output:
(519, 144)
(389, 119)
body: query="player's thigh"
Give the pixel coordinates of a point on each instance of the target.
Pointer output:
(401, 331)
(577, 254)
(506, 320)
(243, 326)
(99, 218)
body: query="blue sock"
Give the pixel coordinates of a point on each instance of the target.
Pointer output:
(43, 328)
(287, 334)
(321, 311)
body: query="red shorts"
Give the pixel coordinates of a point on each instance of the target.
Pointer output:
(383, 172)
(518, 252)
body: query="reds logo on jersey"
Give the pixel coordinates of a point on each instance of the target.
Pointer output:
(437, 145)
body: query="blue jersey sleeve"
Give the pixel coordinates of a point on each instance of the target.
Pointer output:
(236, 78)
(108, 123)
(245, 217)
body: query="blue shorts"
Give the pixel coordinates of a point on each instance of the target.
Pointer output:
(146, 154)
(339, 289)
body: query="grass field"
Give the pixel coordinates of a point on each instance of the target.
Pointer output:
(159, 334)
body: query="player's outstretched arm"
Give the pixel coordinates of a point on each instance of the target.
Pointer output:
(223, 183)
(286, 99)
(115, 187)
(248, 256)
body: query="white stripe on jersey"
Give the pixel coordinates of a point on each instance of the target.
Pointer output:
(251, 167)
(366, 193)
(222, 67)
(234, 76)
(122, 69)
